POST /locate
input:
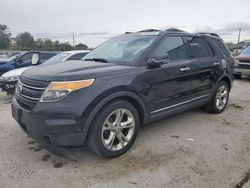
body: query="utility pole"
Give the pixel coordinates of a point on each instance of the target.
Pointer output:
(238, 41)
(239, 35)
(20, 43)
(73, 39)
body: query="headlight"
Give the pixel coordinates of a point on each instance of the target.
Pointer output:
(236, 63)
(12, 78)
(58, 90)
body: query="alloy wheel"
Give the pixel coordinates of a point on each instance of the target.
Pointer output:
(118, 129)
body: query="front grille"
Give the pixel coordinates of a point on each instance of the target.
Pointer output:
(244, 65)
(29, 92)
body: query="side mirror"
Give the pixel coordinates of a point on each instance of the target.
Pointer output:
(16, 59)
(35, 59)
(157, 62)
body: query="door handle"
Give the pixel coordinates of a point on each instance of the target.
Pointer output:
(216, 63)
(183, 69)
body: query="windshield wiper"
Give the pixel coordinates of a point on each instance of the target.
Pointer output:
(97, 60)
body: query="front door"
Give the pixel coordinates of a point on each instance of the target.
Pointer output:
(169, 85)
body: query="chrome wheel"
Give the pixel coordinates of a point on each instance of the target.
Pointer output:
(118, 129)
(221, 97)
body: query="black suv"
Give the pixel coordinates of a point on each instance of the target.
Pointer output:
(128, 81)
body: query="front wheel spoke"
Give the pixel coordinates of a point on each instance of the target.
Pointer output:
(109, 129)
(120, 138)
(111, 139)
(124, 137)
(127, 124)
(119, 115)
(224, 94)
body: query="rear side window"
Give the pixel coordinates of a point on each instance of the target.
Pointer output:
(173, 46)
(46, 56)
(198, 47)
(224, 50)
(77, 56)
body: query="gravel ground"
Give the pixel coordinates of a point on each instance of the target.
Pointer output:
(218, 156)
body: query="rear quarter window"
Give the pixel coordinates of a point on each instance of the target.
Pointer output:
(198, 48)
(222, 47)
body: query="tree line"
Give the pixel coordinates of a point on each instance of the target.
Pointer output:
(25, 41)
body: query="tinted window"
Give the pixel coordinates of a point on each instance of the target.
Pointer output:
(198, 47)
(219, 43)
(173, 47)
(44, 56)
(77, 56)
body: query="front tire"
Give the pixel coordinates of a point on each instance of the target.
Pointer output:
(114, 129)
(219, 101)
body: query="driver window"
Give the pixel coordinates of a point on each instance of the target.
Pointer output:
(26, 59)
(173, 46)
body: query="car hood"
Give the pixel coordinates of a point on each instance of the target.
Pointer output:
(244, 58)
(74, 70)
(15, 72)
(2, 61)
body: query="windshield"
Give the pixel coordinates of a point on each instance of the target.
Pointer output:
(124, 49)
(246, 51)
(56, 59)
(12, 57)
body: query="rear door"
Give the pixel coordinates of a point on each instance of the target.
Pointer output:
(204, 65)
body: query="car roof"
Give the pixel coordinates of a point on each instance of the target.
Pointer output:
(157, 32)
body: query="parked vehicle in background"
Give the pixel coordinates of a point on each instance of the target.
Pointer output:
(128, 81)
(9, 79)
(23, 60)
(66, 56)
(242, 63)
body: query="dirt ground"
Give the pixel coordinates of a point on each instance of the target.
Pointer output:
(218, 155)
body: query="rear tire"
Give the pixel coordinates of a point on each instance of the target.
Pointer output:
(114, 129)
(219, 101)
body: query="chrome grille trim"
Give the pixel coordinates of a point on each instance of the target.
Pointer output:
(27, 97)
(31, 87)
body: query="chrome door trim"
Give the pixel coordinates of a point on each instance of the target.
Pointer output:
(178, 104)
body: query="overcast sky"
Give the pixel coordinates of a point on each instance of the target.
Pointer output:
(94, 21)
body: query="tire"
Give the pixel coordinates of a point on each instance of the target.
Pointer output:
(237, 76)
(105, 137)
(214, 106)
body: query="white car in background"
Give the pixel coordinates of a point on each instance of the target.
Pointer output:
(9, 79)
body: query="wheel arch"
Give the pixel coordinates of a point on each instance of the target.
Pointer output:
(109, 96)
(227, 80)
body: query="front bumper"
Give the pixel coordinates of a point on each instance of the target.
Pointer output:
(58, 131)
(242, 71)
(8, 86)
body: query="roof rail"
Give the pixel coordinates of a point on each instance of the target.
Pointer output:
(149, 30)
(174, 29)
(207, 33)
(142, 31)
